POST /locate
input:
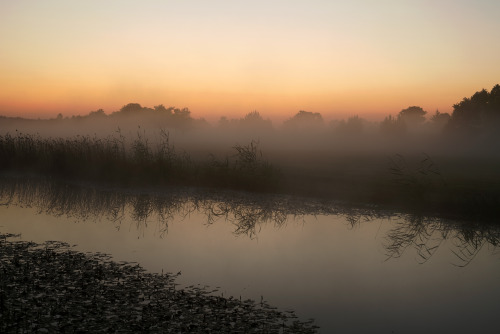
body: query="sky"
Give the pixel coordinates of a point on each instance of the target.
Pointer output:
(228, 58)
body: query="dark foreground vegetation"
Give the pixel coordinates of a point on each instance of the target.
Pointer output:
(50, 288)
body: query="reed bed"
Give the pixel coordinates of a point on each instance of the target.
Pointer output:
(48, 288)
(136, 162)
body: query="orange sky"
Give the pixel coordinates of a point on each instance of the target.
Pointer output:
(229, 58)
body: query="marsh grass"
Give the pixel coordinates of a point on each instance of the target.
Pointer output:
(246, 169)
(420, 184)
(423, 189)
(137, 162)
(51, 288)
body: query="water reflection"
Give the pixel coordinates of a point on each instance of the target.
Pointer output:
(83, 202)
(425, 235)
(246, 212)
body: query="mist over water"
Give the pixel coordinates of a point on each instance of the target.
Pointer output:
(347, 217)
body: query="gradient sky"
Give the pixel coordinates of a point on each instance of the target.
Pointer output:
(339, 58)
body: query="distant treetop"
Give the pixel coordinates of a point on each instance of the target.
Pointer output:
(304, 120)
(131, 107)
(412, 116)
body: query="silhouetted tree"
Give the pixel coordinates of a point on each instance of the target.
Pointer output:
(97, 113)
(161, 109)
(439, 120)
(131, 108)
(392, 126)
(183, 113)
(255, 121)
(224, 122)
(353, 125)
(480, 112)
(412, 116)
(181, 119)
(304, 120)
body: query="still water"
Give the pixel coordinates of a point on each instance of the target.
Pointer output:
(353, 271)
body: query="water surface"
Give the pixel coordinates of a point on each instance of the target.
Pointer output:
(352, 270)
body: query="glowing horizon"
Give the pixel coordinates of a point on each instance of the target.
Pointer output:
(226, 58)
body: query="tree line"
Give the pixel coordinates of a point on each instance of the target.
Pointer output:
(478, 114)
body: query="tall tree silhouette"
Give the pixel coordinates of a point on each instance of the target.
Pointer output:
(478, 113)
(412, 116)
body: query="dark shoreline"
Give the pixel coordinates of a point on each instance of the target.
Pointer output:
(51, 288)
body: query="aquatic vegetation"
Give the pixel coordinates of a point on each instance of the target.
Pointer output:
(51, 288)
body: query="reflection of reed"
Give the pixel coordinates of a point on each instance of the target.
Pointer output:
(245, 211)
(87, 203)
(421, 233)
(246, 217)
(426, 234)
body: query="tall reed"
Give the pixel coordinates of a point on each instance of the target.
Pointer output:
(116, 160)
